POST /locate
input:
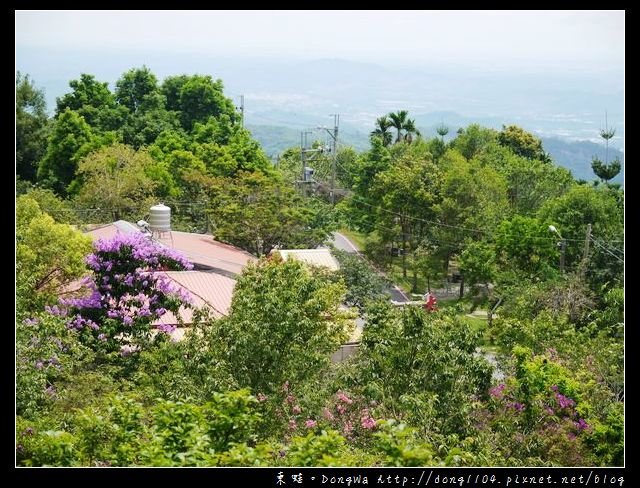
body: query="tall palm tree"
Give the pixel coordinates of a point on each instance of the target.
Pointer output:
(383, 124)
(409, 130)
(398, 121)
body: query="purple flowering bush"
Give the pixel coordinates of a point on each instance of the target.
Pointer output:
(127, 294)
(538, 413)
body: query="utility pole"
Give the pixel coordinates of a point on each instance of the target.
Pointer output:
(334, 159)
(336, 122)
(585, 254)
(563, 248)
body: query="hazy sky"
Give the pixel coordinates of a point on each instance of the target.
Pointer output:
(578, 39)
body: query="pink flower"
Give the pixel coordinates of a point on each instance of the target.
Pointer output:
(291, 399)
(327, 414)
(296, 409)
(310, 424)
(348, 428)
(292, 424)
(285, 387)
(368, 423)
(262, 398)
(340, 409)
(344, 398)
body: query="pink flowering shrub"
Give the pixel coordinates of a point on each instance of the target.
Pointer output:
(127, 294)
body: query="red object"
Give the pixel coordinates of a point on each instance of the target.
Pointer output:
(430, 303)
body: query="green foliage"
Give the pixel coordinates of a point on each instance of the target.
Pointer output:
(48, 255)
(530, 182)
(521, 142)
(605, 171)
(284, 324)
(478, 263)
(67, 144)
(599, 207)
(31, 127)
(471, 141)
(400, 446)
(46, 352)
(258, 213)
(94, 102)
(423, 365)
(315, 449)
(362, 282)
(525, 244)
(135, 88)
(115, 181)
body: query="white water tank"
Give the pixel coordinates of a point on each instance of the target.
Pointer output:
(160, 218)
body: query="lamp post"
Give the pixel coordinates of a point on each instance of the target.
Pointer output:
(562, 244)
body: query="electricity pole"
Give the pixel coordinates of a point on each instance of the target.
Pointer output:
(585, 254)
(334, 159)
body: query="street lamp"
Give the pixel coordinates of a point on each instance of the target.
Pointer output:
(562, 245)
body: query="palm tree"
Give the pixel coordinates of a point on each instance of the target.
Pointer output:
(410, 129)
(383, 124)
(398, 121)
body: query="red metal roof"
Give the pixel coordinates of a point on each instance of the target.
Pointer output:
(210, 290)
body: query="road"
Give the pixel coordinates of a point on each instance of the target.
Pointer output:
(341, 242)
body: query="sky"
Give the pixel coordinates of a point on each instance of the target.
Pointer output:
(588, 40)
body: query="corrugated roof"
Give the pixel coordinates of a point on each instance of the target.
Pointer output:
(204, 251)
(210, 290)
(201, 249)
(109, 230)
(315, 257)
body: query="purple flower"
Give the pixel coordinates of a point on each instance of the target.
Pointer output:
(166, 328)
(497, 391)
(33, 321)
(310, 424)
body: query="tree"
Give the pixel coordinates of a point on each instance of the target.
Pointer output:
(363, 283)
(521, 142)
(524, 244)
(31, 127)
(259, 213)
(115, 180)
(410, 130)
(424, 365)
(68, 142)
(284, 324)
(473, 140)
(383, 124)
(201, 98)
(398, 122)
(600, 207)
(442, 131)
(135, 87)
(94, 101)
(530, 182)
(606, 171)
(126, 295)
(48, 255)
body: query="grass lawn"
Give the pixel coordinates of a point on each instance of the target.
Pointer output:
(357, 238)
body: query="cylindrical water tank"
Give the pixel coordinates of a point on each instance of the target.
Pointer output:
(160, 218)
